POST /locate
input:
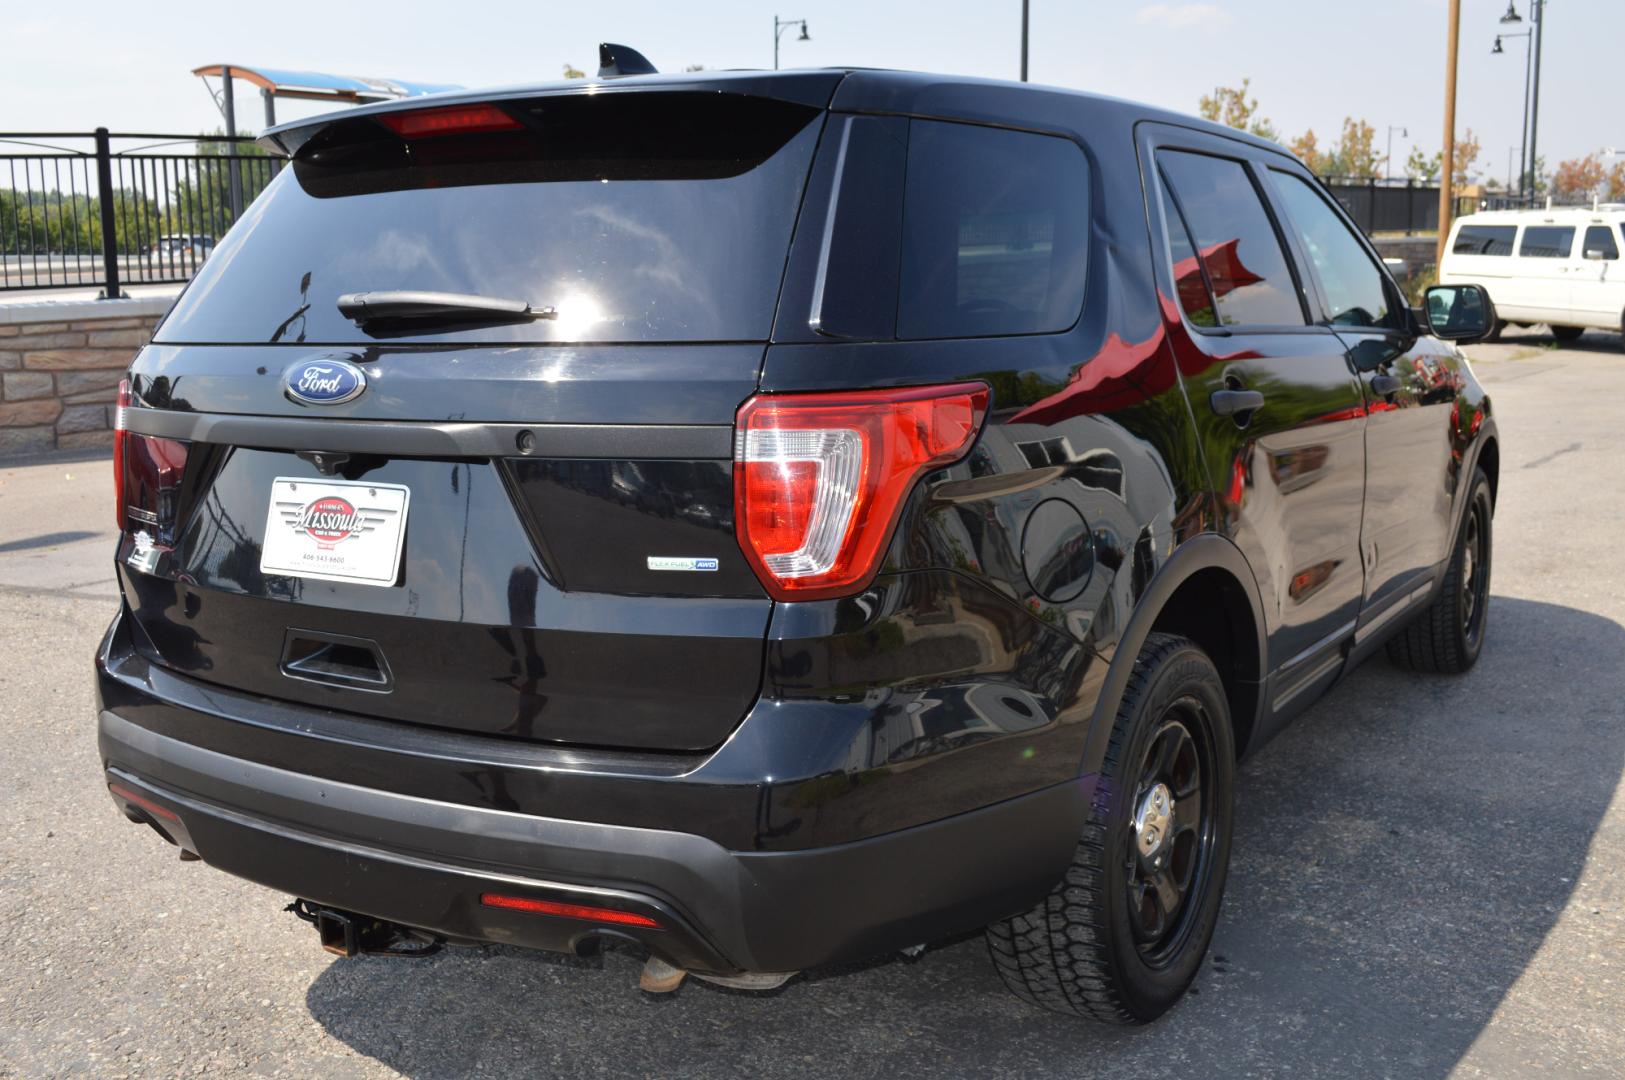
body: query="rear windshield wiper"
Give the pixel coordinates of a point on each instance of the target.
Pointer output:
(398, 306)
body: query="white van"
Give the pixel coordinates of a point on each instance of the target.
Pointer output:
(1557, 266)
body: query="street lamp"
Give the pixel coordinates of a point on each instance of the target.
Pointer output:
(1523, 133)
(779, 27)
(1403, 134)
(1537, 20)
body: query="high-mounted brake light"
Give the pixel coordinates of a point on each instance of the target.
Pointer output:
(819, 479)
(448, 120)
(567, 911)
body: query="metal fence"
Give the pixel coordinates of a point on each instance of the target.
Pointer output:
(1392, 206)
(109, 210)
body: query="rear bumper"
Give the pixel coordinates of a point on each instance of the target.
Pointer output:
(424, 862)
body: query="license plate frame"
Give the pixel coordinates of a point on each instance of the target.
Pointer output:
(351, 531)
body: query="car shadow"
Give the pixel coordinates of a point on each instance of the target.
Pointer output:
(1593, 340)
(1402, 854)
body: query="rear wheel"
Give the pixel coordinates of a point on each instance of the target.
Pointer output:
(1449, 635)
(1567, 333)
(1121, 936)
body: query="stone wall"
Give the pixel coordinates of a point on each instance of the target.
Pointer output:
(60, 367)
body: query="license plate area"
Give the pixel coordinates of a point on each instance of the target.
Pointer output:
(335, 530)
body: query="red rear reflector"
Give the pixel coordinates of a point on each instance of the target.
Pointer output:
(819, 479)
(567, 911)
(448, 120)
(143, 802)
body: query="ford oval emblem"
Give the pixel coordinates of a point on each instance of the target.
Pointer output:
(324, 381)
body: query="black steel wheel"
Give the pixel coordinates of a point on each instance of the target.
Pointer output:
(1121, 936)
(1449, 633)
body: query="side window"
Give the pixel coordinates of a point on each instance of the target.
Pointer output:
(1599, 238)
(995, 227)
(1355, 293)
(1484, 240)
(1189, 283)
(1546, 241)
(1235, 242)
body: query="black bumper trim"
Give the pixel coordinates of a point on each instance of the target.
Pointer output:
(423, 863)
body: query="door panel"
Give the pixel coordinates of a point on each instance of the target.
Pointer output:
(1597, 288)
(1543, 270)
(1289, 473)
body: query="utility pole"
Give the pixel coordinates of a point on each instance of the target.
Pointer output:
(1537, 8)
(1447, 162)
(1024, 40)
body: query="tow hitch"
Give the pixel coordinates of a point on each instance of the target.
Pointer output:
(344, 933)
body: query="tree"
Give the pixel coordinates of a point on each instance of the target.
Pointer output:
(1421, 167)
(1230, 105)
(1356, 152)
(1616, 182)
(1308, 151)
(1578, 179)
(1467, 150)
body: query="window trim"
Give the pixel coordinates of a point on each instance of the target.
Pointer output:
(1249, 168)
(1390, 288)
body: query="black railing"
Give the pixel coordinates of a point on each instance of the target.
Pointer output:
(1393, 206)
(106, 210)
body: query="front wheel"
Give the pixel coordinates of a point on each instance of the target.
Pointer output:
(1120, 938)
(1448, 636)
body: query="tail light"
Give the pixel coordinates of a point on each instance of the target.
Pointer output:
(147, 475)
(819, 478)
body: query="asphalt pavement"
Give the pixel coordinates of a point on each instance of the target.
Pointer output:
(1428, 875)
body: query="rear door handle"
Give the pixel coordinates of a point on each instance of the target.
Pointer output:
(1235, 402)
(1383, 385)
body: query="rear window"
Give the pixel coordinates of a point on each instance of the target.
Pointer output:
(638, 216)
(1547, 241)
(994, 226)
(1484, 240)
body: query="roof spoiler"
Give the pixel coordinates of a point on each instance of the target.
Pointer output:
(617, 60)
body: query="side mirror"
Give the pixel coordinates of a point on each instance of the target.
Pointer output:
(1460, 313)
(1595, 253)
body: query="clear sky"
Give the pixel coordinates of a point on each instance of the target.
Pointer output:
(126, 65)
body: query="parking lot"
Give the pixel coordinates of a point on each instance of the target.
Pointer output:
(1428, 877)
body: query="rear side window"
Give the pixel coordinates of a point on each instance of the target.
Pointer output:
(1235, 242)
(1484, 240)
(994, 232)
(1355, 294)
(1547, 241)
(1600, 238)
(638, 216)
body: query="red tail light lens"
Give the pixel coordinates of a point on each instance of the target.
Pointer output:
(448, 120)
(121, 433)
(819, 478)
(567, 911)
(147, 475)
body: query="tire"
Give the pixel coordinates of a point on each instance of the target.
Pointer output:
(1449, 634)
(1567, 333)
(1084, 950)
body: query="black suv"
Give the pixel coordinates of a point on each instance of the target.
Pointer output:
(775, 520)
